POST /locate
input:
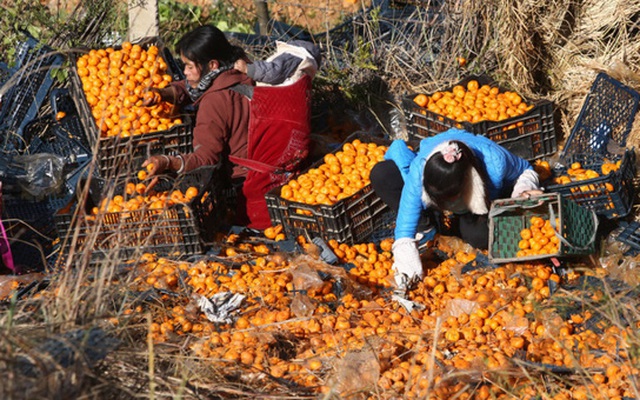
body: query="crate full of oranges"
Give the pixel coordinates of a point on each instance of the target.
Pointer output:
(478, 105)
(333, 199)
(544, 226)
(109, 86)
(175, 217)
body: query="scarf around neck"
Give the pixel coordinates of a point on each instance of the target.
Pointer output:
(204, 84)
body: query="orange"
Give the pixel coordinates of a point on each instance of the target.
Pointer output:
(421, 99)
(191, 192)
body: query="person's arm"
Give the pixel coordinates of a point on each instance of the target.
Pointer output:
(175, 93)
(209, 138)
(410, 209)
(521, 174)
(210, 134)
(275, 71)
(406, 258)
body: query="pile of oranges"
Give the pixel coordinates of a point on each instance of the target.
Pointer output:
(474, 103)
(539, 238)
(341, 175)
(116, 82)
(481, 321)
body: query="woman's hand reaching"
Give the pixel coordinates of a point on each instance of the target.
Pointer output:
(158, 164)
(529, 193)
(406, 262)
(151, 98)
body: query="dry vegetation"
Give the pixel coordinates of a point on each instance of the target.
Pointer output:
(134, 328)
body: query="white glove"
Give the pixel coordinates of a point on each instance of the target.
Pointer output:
(526, 182)
(406, 261)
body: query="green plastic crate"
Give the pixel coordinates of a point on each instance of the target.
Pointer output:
(576, 228)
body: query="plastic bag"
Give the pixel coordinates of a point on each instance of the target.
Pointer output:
(302, 306)
(357, 371)
(617, 262)
(398, 124)
(221, 307)
(455, 307)
(42, 173)
(305, 278)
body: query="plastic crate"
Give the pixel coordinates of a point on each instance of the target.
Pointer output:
(179, 230)
(350, 220)
(531, 135)
(176, 66)
(576, 229)
(610, 196)
(28, 88)
(31, 230)
(5, 74)
(630, 235)
(124, 156)
(600, 134)
(64, 138)
(118, 156)
(606, 116)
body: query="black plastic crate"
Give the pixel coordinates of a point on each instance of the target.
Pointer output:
(176, 66)
(605, 119)
(64, 138)
(124, 156)
(350, 220)
(5, 74)
(118, 156)
(31, 230)
(600, 134)
(179, 230)
(630, 235)
(610, 196)
(530, 135)
(576, 229)
(8, 173)
(28, 88)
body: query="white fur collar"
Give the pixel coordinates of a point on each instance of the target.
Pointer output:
(474, 194)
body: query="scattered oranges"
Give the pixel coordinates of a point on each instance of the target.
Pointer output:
(487, 318)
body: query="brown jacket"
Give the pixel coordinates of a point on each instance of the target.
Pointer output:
(222, 122)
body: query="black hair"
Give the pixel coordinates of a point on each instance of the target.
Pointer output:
(443, 180)
(207, 43)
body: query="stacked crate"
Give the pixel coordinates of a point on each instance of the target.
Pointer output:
(598, 143)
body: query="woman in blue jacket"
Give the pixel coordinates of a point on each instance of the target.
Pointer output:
(454, 171)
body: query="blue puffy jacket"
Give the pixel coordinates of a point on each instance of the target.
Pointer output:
(501, 166)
